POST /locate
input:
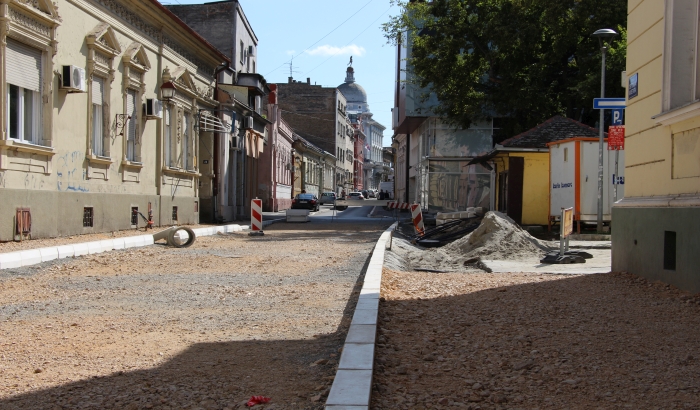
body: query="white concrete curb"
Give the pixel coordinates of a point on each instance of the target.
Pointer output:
(352, 385)
(33, 256)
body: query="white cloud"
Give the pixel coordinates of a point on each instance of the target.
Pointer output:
(290, 52)
(327, 50)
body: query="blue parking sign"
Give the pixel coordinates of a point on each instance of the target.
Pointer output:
(617, 117)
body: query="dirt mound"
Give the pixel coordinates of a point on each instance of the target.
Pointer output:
(498, 237)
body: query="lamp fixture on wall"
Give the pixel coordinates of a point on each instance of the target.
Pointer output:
(120, 122)
(167, 90)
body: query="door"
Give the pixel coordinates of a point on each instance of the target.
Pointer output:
(516, 167)
(502, 191)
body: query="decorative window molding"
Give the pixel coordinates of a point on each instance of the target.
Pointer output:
(155, 33)
(103, 47)
(136, 63)
(32, 23)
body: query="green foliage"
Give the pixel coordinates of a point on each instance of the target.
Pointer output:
(523, 61)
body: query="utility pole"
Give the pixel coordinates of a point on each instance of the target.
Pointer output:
(602, 35)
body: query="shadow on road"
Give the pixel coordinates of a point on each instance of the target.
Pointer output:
(296, 374)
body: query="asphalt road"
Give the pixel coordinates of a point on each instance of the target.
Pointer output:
(356, 214)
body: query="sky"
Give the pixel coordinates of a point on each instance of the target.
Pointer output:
(320, 36)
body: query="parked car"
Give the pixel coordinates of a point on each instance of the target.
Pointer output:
(371, 193)
(327, 198)
(305, 201)
(355, 196)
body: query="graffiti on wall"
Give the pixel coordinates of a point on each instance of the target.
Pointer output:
(70, 172)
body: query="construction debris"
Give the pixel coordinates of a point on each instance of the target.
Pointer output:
(175, 237)
(498, 237)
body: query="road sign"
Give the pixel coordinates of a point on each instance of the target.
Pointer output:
(608, 103)
(617, 117)
(616, 137)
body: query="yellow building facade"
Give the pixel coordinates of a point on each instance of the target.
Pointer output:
(84, 137)
(535, 197)
(656, 224)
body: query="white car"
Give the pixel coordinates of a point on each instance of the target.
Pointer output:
(355, 196)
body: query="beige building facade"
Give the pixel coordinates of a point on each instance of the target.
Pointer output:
(85, 140)
(655, 230)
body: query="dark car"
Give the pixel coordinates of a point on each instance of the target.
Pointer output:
(327, 198)
(305, 201)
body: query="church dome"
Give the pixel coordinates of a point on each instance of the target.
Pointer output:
(355, 95)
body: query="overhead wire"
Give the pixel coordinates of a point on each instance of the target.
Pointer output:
(361, 32)
(319, 40)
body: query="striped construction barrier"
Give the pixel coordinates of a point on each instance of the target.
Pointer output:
(398, 205)
(417, 216)
(256, 215)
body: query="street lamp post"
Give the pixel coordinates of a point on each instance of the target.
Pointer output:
(602, 35)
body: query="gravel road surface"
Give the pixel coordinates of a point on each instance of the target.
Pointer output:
(531, 341)
(199, 328)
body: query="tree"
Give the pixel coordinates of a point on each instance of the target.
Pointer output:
(522, 61)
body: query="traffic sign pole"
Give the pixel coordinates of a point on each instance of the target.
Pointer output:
(601, 138)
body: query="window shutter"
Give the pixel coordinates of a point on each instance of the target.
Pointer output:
(131, 110)
(97, 90)
(186, 142)
(168, 138)
(23, 65)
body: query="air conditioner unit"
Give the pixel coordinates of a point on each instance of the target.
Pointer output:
(233, 143)
(73, 79)
(248, 123)
(251, 51)
(153, 109)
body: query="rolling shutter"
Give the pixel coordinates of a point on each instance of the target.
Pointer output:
(168, 138)
(23, 65)
(97, 90)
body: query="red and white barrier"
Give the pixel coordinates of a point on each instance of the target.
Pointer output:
(256, 215)
(398, 205)
(417, 216)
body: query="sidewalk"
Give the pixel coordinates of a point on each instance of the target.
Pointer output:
(35, 256)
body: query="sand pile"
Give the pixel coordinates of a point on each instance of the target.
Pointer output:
(498, 237)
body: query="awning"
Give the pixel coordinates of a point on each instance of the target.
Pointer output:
(210, 123)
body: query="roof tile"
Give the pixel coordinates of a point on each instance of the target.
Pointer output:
(554, 129)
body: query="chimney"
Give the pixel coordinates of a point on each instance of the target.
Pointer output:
(289, 80)
(272, 97)
(308, 80)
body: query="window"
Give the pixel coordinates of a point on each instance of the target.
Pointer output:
(186, 143)
(24, 92)
(253, 66)
(98, 116)
(174, 214)
(132, 125)
(87, 217)
(681, 68)
(242, 52)
(566, 155)
(167, 114)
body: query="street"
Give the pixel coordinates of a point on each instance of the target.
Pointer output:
(202, 327)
